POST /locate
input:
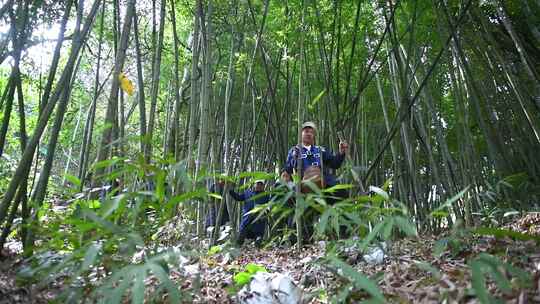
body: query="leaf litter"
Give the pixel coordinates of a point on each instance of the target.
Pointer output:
(409, 272)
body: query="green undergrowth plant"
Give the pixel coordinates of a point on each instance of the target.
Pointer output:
(515, 192)
(243, 278)
(505, 276)
(101, 246)
(356, 287)
(483, 267)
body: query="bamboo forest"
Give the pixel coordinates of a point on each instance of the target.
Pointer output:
(257, 151)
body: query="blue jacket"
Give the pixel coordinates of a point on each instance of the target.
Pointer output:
(250, 202)
(313, 158)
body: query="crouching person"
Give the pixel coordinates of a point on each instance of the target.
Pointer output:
(252, 225)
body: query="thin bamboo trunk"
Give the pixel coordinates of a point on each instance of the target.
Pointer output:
(156, 70)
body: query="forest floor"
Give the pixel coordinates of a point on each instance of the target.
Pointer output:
(409, 273)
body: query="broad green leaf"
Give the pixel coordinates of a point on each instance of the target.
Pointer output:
(107, 163)
(254, 268)
(184, 197)
(90, 256)
(174, 294)
(405, 225)
(216, 196)
(214, 250)
(104, 223)
(312, 186)
(511, 213)
(137, 295)
(317, 98)
(160, 185)
(498, 277)
(386, 185)
(242, 278)
(362, 199)
(117, 293)
(524, 278)
(516, 179)
(479, 283)
(380, 192)
(94, 204)
(73, 180)
(256, 175)
(439, 214)
(113, 204)
(321, 225)
(367, 240)
(285, 214)
(338, 187)
(334, 219)
(359, 280)
(257, 209)
(387, 230)
(451, 200)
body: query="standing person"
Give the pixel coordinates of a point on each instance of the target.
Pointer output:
(316, 160)
(250, 226)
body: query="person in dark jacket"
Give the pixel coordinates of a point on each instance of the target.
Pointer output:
(250, 226)
(315, 161)
(315, 156)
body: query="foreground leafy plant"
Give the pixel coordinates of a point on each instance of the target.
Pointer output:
(244, 277)
(102, 248)
(486, 265)
(357, 281)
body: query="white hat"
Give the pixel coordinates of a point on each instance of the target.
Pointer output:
(309, 124)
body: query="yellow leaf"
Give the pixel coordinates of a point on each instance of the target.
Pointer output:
(126, 84)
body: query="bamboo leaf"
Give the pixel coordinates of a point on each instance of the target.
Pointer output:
(405, 225)
(174, 294)
(242, 278)
(137, 295)
(73, 180)
(479, 282)
(371, 236)
(254, 268)
(359, 280)
(450, 201)
(383, 194)
(321, 225)
(387, 228)
(90, 256)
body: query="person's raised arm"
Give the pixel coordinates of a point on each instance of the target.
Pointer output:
(290, 164)
(237, 196)
(332, 160)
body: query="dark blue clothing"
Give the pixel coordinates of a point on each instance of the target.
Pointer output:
(251, 199)
(313, 158)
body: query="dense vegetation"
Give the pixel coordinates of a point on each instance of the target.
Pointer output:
(116, 117)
